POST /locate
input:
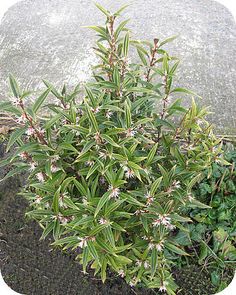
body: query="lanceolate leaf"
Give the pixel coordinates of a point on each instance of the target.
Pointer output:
(154, 261)
(15, 136)
(14, 86)
(92, 118)
(40, 100)
(109, 140)
(102, 202)
(120, 28)
(155, 185)
(55, 203)
(175, 249)
(126, 44)
(152, 154)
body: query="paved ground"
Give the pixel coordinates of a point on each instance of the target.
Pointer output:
(44, 39)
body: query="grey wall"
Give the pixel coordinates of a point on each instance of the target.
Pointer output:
(44, 39)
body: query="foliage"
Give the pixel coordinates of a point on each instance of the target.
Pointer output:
(214, 230)
(112, 174)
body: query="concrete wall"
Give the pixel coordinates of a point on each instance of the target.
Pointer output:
(45, 39)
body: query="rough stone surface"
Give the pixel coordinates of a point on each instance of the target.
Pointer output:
(45, 39)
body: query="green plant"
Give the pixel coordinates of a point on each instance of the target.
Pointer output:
(111, 174)
(212, 234)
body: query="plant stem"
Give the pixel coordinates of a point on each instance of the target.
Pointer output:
(152, 59)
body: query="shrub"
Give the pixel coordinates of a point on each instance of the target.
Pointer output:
(111, 174)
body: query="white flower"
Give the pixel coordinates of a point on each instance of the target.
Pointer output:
(163, 287)
(170, 226)
(61, 200)
(24, 156)
(121, 273)
(38, 199)
(32, 166)
(16, 101)
(63, 220)
(138, 212)
(54, 168)
(145, 238)
(47, 205)
(40, 177)
(55, 158)
(156, 222)
(129, 173)
(102, 155)
(159, 246)
(95, 110)
(41, 131)
(108, 114)
(89, 163)
(83, 242)
(176, 184)
(149, 198)
(102, 221)
(200, 121)
(114, 191)
(165, 220)
(30, 131)
(22, 119)
(190, 197)
(151, 246)
(84, 201)
(97, 138)
(130, 132)
(146, 264)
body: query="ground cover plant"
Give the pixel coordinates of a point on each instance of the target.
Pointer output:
(112, 164)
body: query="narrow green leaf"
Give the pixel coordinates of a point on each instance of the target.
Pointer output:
(102, 202)
(175, 249)
(109, 140)
(40, 100)
(47, 230)
(97, 229)
(55, 202)
(103, 270)
(93, 251)
(15, 136)
(170, 39)
(102, 9)
(152, 154)
(120, 28)
(126, 44)
(14, 86)
(155, 185)
(184, 90)
(92, 118)
(154, 261)
(127, 115)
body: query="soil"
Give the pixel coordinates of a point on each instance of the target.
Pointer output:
(32, 267)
